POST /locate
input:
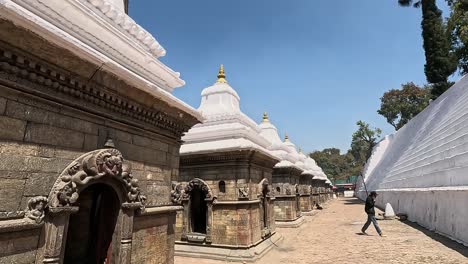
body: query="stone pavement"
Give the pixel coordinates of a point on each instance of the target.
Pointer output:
(332, 236)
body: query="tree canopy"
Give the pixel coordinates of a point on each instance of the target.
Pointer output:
(399, 106)
(458, 30)
(363, 141)
(336, 165)
(440, 60)
(341, 166)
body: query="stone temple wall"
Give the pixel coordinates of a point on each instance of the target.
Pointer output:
(422, 169)
(237, 213)
(51, 113)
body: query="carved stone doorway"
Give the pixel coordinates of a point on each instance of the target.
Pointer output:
(90, 211)
(91, 229)
(265, 200)
(198, 211)
(197, 200)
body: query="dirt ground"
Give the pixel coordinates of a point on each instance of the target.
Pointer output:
(333, 236)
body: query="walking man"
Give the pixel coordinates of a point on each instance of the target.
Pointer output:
(369, 208)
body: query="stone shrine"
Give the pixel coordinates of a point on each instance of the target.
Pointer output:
(89, 136)
(224, 184)
(286, 176)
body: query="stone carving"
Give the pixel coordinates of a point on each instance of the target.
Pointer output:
(36, 209)
(176, 193)
(90, 167)
(197, 183)
(49, 78)
(265, 189)
(243, 193)
(288, 191)
(68, 195)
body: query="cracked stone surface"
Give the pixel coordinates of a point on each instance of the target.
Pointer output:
(333, 236)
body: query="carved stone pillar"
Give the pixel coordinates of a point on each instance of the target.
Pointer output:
(185, 219)
(209, 220)
(267, 211)
(56, 228)
(126, 233)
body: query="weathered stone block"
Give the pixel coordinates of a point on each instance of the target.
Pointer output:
(40, 184)
(3, 102)
(11, 192)
(19, 149)
(38, 115)
(19, 247)
(90, 142)
(45, 134)
(11, 128)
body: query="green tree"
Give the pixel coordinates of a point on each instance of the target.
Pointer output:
(440, 61)
(335, 164)
(458, 29)
(363, 141)
(399, 106)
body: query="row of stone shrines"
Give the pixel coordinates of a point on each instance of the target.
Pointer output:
(238, 181)
(90, 147)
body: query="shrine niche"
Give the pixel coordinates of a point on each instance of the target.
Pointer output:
(266, 198)
(197, 200)
(90, 211)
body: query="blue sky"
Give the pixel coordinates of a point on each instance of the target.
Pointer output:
(316, 66)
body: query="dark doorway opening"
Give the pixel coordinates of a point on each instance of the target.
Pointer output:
(198, 211)
(90, 230)
(265, 206)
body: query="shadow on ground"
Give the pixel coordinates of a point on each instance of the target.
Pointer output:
(351, 201)
(439, 238)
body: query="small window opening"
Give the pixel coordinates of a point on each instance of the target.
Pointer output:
(222, 187)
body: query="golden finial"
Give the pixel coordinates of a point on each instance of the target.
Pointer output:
(286, 138)
(265, 117)
(221, 75)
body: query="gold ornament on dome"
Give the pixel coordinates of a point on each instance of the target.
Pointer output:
(221, 75)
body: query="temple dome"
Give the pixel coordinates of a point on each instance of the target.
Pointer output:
(276, 146)
(220, 98)
(225, 127)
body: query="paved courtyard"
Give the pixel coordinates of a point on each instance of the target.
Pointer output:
(332, 236)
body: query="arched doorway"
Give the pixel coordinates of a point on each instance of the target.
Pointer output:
(265, 199)
(198, 211)
(90, 230)
(90, 211)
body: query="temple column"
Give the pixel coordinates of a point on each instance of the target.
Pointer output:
(209, 220)
(55, 230)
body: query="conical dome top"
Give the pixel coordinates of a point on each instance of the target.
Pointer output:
(220, 98)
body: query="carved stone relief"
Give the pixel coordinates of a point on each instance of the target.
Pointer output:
(91, 167)
(36, 209)
(243, 193)
(177, 193)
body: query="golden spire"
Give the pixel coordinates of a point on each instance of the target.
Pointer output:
(286, 138)
(221, 75)
(265, 117)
